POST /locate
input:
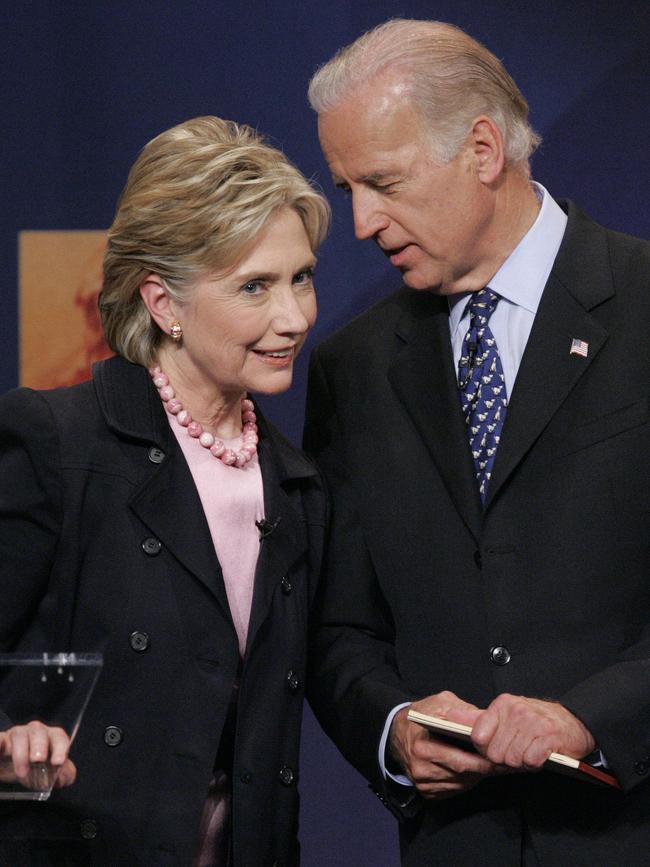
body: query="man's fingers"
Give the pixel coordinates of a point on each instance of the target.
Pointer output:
(448, 788)
(521, 732)
(485, 727)
(437, 768)
(434, 760)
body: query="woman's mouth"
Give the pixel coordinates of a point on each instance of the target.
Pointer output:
(276, 357)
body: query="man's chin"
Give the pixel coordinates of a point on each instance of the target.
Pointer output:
(416, 281)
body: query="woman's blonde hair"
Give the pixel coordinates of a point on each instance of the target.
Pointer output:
(195, 200)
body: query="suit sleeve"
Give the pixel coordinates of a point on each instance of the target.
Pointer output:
(353, 681)
(30, 499)
(614, 704)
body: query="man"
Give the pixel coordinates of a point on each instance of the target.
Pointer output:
(483, 433)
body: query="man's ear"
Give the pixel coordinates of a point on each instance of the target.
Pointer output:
(157, 301)
(486, 145)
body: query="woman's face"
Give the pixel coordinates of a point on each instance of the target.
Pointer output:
(242, 331)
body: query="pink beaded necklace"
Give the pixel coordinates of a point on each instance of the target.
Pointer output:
(195, 429)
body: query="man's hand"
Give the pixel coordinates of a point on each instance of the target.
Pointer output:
(522, 732)
(32, 754)
(438, 769)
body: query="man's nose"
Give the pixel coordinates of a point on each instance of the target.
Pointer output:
(369, 219)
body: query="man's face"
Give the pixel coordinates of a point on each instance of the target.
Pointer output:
(430, 219)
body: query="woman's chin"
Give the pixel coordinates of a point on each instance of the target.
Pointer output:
(276, 383)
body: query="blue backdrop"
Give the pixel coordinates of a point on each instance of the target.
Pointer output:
(85, 84)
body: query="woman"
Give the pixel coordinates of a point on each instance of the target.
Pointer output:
(153, 515)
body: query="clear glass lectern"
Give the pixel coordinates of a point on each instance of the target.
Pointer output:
(51, 688)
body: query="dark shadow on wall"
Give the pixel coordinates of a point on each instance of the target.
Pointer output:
(342, 824)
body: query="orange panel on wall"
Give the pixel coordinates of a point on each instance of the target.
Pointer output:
(60, 277)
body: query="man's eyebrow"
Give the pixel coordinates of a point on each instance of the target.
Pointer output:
(371, 178)
(374, 177)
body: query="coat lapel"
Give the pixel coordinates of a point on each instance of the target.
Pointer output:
(423, 377)
(282, 466)
(165, 499)
(169, 505)
(548, 370)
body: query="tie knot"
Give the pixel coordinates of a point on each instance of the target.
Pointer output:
(482, 305)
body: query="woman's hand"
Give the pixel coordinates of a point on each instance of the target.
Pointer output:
(33, 754)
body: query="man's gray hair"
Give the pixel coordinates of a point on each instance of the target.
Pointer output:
(451, 79)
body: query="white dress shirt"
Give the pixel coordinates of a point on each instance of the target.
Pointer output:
(520, 283)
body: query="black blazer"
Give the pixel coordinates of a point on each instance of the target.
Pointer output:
(423, 586)
(102, 535)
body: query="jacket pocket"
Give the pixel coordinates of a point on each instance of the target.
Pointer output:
(603, 428)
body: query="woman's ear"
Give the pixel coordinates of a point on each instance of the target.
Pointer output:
(157, 301)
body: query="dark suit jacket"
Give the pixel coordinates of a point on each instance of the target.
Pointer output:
(423, 586)
(102, 535)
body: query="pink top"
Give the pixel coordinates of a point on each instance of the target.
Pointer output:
(232, 499)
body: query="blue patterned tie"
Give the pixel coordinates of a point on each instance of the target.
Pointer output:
(482, 387)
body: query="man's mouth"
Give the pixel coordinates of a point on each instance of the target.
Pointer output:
(396, 256)
(393, 251)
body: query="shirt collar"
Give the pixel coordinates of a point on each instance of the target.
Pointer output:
(523, 275)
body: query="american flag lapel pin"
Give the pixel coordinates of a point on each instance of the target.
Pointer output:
(579, 347)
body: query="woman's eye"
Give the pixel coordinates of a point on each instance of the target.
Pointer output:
(253, 287)
(305, 276)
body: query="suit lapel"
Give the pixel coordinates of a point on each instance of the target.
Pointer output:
(423, 377)
(548, 370)
(423, 374)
